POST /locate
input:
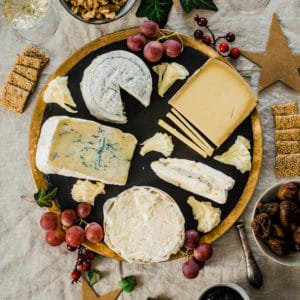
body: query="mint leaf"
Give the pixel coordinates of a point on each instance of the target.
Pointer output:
(94, 277)
(44, 197)
(127, 283)
(155, 10)
(188, 5)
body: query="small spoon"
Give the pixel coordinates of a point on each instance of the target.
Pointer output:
(254, 274)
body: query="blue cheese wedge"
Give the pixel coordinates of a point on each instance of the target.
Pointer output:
(84, 149)
(103, 78)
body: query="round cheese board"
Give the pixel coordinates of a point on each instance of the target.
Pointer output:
(143, 123)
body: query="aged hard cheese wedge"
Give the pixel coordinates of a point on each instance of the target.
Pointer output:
(215, 100)
(194, 177)
(84, 149)
(143, 225)
(103, 78)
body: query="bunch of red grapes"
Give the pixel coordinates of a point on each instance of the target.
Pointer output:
(68, 227)
(201, 253)
(223, 47)
(148, 41)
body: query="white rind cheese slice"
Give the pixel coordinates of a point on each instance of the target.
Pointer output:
(103, 78)
(143, 225)
(194, 177)
(84, 149)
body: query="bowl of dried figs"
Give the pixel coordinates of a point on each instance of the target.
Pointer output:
(97, 11)
(276, 223)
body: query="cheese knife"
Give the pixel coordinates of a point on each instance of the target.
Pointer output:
(254, 273)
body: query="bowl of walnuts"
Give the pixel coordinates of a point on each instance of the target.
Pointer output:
(276, 223)
(97, 11)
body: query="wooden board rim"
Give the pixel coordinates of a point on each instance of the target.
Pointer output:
(72, 60)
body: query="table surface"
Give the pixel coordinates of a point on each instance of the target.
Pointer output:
(30, 269)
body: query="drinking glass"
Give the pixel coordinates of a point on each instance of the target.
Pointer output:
(33, 20)
(249, 6)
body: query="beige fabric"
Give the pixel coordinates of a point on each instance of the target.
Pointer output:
(30, 269)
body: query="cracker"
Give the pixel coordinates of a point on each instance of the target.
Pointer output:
(35, 52)
(29, 61)
(29, 73)
(287, 135)
(287, 165)
(285, 109)
(287, 122)
(287, 147)
(20, 81)
(13, 97)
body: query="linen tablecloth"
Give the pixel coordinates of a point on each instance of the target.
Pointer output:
(30, 269)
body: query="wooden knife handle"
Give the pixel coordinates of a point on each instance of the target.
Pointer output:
(254, 274)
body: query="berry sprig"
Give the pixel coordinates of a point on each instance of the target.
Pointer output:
(211, 40)
(83, 262)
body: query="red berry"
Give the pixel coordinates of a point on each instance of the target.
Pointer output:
(202, 22)
(75, 275)
(198, 34)
(207, 39)
(235, 53)
(85, 266)
(71, 248)
(230, 37)
(90, 254)
(224, 47)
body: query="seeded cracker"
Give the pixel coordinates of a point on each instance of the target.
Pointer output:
(30, 73)
(13, 97)
(287, 165)
(287, 122)
(287, 134)
(20, 81)
(285, 109)
(35, 52)
(28, 61)
(287, 147)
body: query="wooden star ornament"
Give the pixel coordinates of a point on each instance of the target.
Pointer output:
(89, 294)
(277, 63)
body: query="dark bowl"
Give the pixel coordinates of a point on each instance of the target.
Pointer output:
(123, 11)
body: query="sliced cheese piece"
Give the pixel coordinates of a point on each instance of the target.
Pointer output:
(103, 78)
(216, 100)
(208, 217)
(84, 149)
(143, 225)
(59, 93)
(194, 177)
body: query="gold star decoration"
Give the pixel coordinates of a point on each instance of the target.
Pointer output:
(277, 62)
(89, 294)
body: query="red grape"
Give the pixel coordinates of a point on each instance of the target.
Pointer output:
(203, 252)
(172, 48)
(68, 217)
(49, 221)
(83, 209)
(55, 237)
(190, 268)
(94, 232)
(136, 42)
(192, 238)
(153, 51)
(149, 29)
(74, 236)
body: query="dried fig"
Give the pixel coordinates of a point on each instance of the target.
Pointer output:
(296, 236)
(288, 213)
(278, 247)
(287, 191)
(261, 225)
(270, 208)
(277, 231)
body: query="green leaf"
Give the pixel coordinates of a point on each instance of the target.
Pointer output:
(44, 197)
(94, 277)
(155, 10)
(127, 283)
(188, 5)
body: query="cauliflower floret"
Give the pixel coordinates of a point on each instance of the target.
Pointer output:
(168, 74)
(208, 217)
(237, 155)
(160, 142)
(86, 191)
